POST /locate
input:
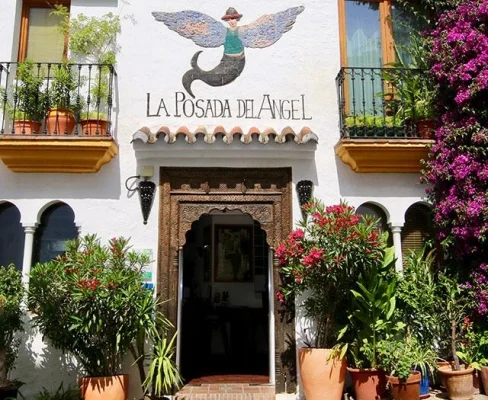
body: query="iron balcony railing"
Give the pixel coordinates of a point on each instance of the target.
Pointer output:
(385, 103)
(56, 99)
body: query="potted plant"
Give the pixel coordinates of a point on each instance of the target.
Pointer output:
(63, 100)
(370, 320)
(322, 258)
(11, 296)
(91, 302)
(400, 357)
(92, 40)
(28, 108)
(374, 125)
(458, 378)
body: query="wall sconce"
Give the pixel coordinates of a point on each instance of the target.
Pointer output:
(146, 189)
(304, 190)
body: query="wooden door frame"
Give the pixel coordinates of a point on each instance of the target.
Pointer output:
(266, 195)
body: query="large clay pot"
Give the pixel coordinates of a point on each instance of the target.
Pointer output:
(441, 381)
(459, 384)
(368, 384)
(94, 127)
(60, 121)
(105, 387)
(484, 378)
(405, 389)
(425, 128)
(24, 127)
(321, 375)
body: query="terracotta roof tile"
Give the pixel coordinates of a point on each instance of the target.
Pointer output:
(219, 133)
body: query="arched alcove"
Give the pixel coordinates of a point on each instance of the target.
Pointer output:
(418, 228)
(56, 227)
(378, 213)
(11, 236)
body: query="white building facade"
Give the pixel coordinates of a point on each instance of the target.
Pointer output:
(225, 162)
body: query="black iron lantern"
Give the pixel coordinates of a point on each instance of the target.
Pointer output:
(304, 190)
(146, 196)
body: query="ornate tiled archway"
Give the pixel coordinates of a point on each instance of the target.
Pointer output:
(188, 193)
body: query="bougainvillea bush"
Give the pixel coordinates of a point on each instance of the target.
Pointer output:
(324, 257)
(457, 170)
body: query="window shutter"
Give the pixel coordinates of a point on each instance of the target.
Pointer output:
(44, 43)
(417, 229)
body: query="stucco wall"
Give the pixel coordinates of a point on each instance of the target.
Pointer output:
(302, 65)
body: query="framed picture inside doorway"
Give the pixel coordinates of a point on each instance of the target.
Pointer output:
(233, 253)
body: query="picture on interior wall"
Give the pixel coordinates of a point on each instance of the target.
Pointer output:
(205, 31)
(233, 253)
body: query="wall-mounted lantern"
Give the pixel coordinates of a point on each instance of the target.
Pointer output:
(304, 190)
(146, 189)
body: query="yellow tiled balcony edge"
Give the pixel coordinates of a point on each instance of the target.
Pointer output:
(57, 154)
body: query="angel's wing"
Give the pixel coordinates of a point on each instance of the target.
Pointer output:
(268, 29)
(202, 29)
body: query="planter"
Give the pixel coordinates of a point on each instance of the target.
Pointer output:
(60, 121)
(484, 378)
(105, 387)
(321, 375)
(440, 380)
(24, 127)
(405, 389)
(459, 384)
(94, 127)
(425, 127)
(368, 384)
(7, 393)
(424, 386)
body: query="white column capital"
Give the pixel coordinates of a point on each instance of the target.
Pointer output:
(30, 228)
(78, 228)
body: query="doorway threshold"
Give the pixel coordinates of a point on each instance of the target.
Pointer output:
(227, 387)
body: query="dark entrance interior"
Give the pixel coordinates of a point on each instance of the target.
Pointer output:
(225, 297)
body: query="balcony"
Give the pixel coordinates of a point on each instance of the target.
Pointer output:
(385, 118)
(56, 117)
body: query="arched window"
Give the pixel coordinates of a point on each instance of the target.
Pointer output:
(417, 229)
(57, 226)
(11, 236)
(378, 213)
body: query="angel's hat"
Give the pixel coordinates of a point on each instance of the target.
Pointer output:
(231, 13)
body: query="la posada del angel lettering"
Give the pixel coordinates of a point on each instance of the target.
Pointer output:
(264, 107)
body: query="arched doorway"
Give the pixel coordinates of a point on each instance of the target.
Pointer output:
(265, 195)
(225, 304)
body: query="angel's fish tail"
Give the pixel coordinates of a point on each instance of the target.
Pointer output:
(227, 71)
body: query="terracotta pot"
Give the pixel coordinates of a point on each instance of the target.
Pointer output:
(484, 378)
(105, 387)
(368, 384)
(425, 128)
(321, 375)
(94, 127)
(60, 121)
(24, 127)
(441, 381)
(459, 384)
(405, 389)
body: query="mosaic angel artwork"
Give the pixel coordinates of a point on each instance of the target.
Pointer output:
(207, 32)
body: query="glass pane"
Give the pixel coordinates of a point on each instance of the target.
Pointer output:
(405, 27)
(45, 43)
(11, 236)
(56, 228)
(363, 34)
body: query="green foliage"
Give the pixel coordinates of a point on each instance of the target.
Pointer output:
(370, 121)
(28, 93)
(371, 316)
(473, 346)
(92, 39)
(417, 298)
(63, 88)
(428, 11)
(11, 295)
(99, 116)
(89, 301)
(60, 394)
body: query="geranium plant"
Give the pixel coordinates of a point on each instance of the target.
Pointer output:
(323, 257)
(91, 302)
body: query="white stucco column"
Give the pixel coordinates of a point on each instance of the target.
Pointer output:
(78, 228)
(29, 230)
(396, 230)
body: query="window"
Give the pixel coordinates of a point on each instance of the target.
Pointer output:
(11, 236)
(374, 32)
(39, 38)
(57, 226)
(417, 229)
